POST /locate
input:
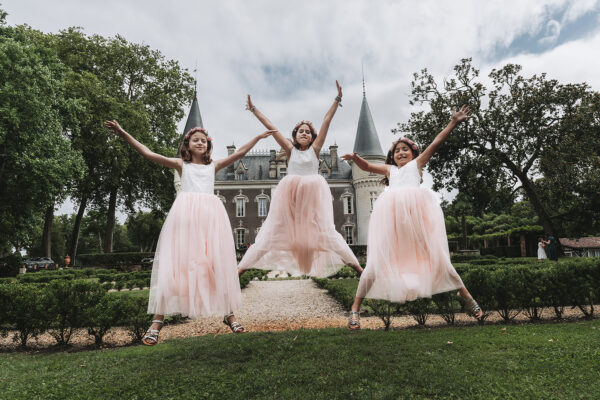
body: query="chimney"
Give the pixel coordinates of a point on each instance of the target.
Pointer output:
(273, 165)
(230, 149)
(334, 157)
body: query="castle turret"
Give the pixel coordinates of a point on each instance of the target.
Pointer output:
(367, 186)
(194, 120)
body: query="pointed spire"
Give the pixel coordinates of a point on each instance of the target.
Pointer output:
(363, 78)
(194, 118)
(367, 140)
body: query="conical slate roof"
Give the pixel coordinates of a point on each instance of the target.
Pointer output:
(194, 119)
(367, 141)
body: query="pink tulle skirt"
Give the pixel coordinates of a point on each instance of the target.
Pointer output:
(194, 271)
(299, 234)
(407, 253)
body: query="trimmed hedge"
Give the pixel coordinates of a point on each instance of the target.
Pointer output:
(111, 260)
(250, 274)
(65, 305)
(9, 265)
(501, 251)
(507, 289)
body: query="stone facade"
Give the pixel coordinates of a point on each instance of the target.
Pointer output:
(246, 189)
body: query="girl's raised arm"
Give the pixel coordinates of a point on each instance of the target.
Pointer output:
(320, 139)
(279, 138)
(241, 152)
(168, 162)
(381, 169)
(457, 117)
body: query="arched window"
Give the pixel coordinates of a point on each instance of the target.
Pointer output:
(348, 203)
(240, 205)
(349, 234)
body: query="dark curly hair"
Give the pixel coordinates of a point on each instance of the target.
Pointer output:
(390, 155)
(184, 150)
(313, 133)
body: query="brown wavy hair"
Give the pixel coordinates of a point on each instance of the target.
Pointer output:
(313, 133)
(184, 150)
(390, 155)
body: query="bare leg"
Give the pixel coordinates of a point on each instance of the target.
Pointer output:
(357, 303)
(156, 325)
(235, 326)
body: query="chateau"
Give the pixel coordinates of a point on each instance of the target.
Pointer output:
(246, 187)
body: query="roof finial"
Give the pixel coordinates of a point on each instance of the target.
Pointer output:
(196, 79)
(363, 77)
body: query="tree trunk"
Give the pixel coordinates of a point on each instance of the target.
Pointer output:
(47, 234)
(463, 225)
(110, 221)
(76, 228)
(523, 243)
(540, 210)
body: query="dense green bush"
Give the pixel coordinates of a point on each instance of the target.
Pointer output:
(344, 272)
(111, 260)
(69, 305)
(461, 258)
(136, 315)
(9, 265)
(502, 251)
(109, 312)
(506, 288)
(23, 310)
(250, 274)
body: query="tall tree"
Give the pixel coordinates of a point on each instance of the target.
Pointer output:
(36, 157)
(132, 83)
(516, 124)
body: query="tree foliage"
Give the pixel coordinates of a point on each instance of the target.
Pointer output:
(519, 126)
(36, 120)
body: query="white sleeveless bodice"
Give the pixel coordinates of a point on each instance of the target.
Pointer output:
(303, 162)
(198, 178)
(406, 176)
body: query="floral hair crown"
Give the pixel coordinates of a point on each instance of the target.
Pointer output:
(305, 122)
(406, 140)
(197, 129)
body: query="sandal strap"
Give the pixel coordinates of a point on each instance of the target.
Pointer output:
(236, 326)
(354, 318)
(158, 321)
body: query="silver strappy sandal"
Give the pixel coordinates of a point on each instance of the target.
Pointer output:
(470, 305)
(354, 320)
(235, 326)
(151, 337)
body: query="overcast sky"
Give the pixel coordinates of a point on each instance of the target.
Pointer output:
(289, 54)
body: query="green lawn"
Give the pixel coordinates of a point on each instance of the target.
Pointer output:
(530, 361)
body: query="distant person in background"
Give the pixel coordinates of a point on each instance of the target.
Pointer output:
(542, 250)
(551, 246)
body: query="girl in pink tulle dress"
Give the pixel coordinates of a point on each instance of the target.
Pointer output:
(194, 270)
(407, 252)
(299, 234)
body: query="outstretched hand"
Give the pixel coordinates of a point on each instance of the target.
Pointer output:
(114, 127)
(348, 157)
(339, 88)
(249, 105)
(461, 115)
(266, 133)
